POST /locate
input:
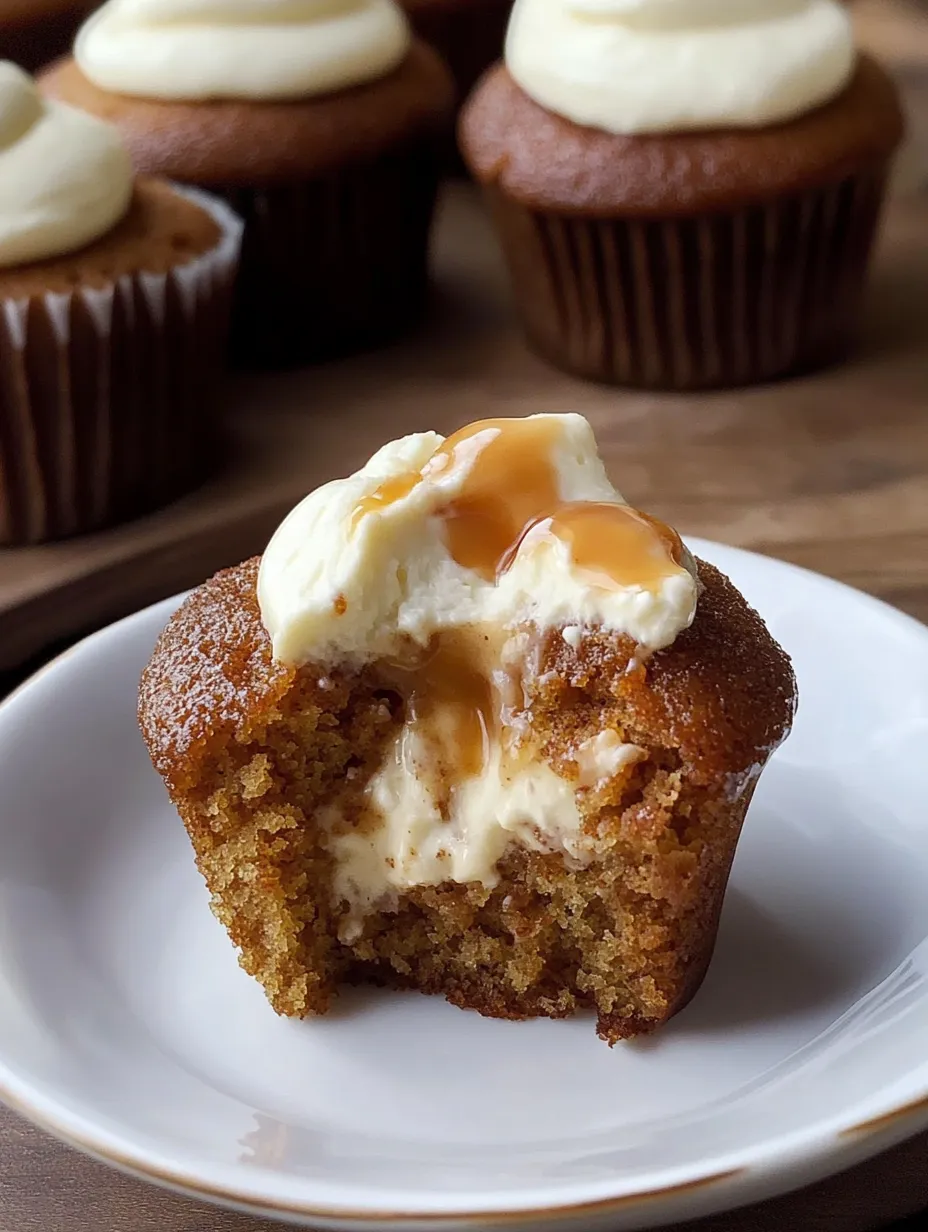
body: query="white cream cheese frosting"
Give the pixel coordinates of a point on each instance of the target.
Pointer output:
(335, 585)
(65, 177)
(442, 564)
(652, 66)
(240, 49)
(419, 845)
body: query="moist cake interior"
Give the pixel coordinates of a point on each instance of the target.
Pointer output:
(253, 752)
(546, 934)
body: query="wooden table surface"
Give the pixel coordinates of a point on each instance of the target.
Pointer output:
(830, 472)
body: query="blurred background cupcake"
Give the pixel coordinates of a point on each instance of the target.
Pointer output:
(320, 121)
(114, 302)
(687, 191)
(468, 33)
(32, 32)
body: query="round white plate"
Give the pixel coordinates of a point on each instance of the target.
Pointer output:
(127, 1028)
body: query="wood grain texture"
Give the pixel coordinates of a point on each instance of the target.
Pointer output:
(45, 1187)
(830, 472)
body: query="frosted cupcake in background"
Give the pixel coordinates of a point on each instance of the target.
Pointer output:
(320, 121)
(32, 32)
(114, 303)
(687, 191)
(468, 33)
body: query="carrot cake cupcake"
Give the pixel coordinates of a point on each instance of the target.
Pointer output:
(114, 302)
(474, 726)
(687, 191)
(321, 124)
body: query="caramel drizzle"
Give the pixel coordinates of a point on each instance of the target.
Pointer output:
(611, 545)
(451, 703)
(510, 490)
(511, 487)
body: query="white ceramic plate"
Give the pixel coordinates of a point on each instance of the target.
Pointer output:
(127, 1028)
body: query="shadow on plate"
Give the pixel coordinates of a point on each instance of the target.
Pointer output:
(762, 971)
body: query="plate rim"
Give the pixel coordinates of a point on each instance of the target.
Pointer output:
(805, 1156)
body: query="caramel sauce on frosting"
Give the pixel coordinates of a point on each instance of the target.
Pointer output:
(510, 491)
(613, 545)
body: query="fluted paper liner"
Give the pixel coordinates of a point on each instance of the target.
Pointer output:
(334, 265)
(107, 395)
(695, 302)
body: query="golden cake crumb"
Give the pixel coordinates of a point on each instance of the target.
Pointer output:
(252, 751)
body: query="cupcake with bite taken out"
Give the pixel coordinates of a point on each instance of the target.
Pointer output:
(474, 726)
(687, 191)
(320, 121)
(114, 302)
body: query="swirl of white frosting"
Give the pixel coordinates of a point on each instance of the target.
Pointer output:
(248, 49)
(649, 66)
(65, 177)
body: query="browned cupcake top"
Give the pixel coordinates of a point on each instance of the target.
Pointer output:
(723, 693)
(161, 231)
(236, 143)
(211, 672)
(547, 162)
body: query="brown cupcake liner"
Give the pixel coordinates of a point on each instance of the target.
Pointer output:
(335, 265)
(106, 395)
(695, 302)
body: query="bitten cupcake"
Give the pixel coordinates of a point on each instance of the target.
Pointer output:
(32, 32)
(114, 301)
(474, 726)
(687, 191)
(319, 120)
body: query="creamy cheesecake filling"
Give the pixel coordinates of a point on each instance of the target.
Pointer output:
(462, 779)
(441, 567)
